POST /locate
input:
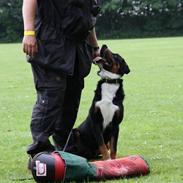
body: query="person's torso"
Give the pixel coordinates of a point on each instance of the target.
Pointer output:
(51, 11)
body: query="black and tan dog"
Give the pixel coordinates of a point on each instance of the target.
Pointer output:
(98, 134)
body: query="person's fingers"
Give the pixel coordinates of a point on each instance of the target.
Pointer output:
(36, 48)
(24, 48)
(31, 53)
(29, 50)
(30, 45)
(33, 50)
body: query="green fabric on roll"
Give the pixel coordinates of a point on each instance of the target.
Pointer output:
(77, 168)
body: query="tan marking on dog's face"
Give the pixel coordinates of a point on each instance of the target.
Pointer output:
(113, 62)
(115, 68)
(110, 59)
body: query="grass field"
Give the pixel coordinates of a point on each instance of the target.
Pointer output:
(153, 123)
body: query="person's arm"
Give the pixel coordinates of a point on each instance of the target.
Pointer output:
(93, 42)
(29, 40)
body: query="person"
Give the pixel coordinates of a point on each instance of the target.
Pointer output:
(60, 61)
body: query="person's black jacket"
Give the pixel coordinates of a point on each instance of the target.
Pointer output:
(55, 50)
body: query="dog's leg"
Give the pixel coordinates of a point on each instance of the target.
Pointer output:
(114, 137)
(113, 143)
(98, 133)
(104, 151)
(100, 140)
(113, 148)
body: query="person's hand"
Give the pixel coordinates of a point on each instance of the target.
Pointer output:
(95, 52)
(30, 45)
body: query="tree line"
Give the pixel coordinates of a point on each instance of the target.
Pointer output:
(118, 19)
(141, 18)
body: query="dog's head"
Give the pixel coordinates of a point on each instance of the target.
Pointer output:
(111, 62)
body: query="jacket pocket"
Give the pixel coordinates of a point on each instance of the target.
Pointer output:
(56, 54)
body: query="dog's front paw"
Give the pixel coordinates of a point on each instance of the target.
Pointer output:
(104, 152)
(113, 155)
(106, 156)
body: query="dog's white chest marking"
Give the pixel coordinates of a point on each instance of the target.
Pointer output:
(105, 104)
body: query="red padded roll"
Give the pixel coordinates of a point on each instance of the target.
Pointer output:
(59, 167)
(122, 167)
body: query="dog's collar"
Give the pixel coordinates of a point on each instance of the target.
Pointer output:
(111, 81)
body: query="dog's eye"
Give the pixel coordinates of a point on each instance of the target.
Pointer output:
(116, 57)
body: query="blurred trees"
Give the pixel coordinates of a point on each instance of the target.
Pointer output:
(141, 18)
(10, 20)
(119, 18)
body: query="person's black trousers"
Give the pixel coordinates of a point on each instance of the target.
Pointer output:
(55, 111)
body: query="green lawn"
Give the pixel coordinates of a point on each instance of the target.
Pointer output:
(153, 123)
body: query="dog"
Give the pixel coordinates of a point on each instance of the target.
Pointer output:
(98, 134)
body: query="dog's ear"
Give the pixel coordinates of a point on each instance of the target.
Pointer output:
(102, 50)
(124, 67)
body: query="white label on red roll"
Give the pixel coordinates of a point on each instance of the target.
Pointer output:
(40, 169)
